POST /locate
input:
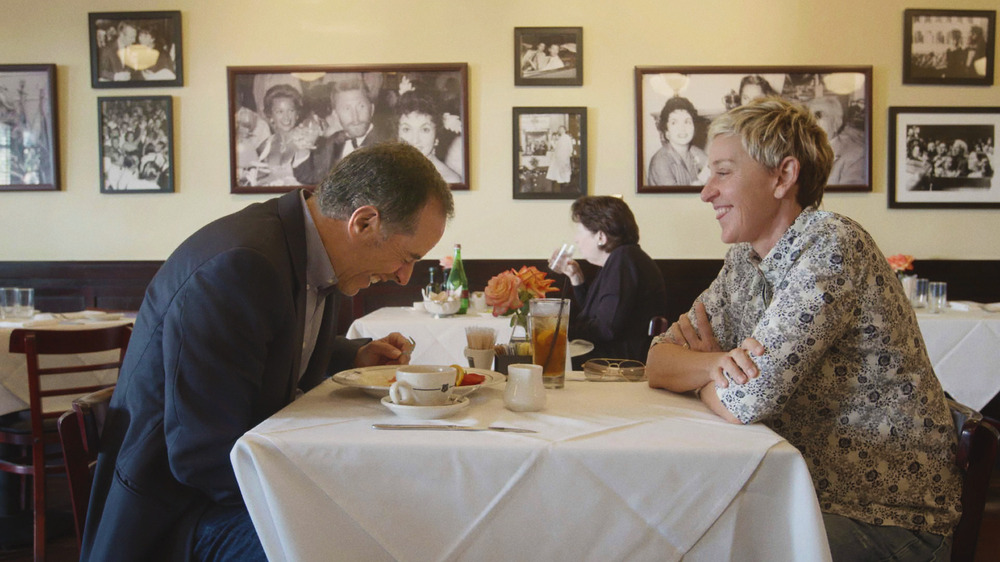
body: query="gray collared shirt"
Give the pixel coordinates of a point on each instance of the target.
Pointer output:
(320, 282)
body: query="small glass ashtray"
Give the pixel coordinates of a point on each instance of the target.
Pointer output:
(614, 370)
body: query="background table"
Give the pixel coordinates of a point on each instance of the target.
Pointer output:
(14, 369)
(616, 471)
(439, 341)
(964, 347)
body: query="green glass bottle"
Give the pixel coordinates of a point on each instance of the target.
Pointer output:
(458, 284)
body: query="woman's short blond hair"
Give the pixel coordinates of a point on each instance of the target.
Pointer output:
(771, 129)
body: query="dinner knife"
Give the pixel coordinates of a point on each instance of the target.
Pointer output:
(450, 427)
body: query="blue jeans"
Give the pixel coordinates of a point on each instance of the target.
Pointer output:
(226, 533)
(855, 541)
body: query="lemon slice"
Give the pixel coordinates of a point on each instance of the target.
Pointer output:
(459, 374)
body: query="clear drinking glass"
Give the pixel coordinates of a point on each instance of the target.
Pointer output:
(549, 322)
(937, 300)
(560, 258)
(919, 299)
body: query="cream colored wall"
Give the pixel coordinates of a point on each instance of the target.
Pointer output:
(79, 223)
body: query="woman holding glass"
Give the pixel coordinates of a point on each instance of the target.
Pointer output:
(614, 308)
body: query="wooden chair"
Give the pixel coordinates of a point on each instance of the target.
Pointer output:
(39, 430)
(79, 433)
(978, 439)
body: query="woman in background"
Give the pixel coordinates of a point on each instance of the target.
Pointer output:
(677, 162)
(614, 308)
(419, 123)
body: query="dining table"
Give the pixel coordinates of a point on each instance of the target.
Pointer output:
(438, 340)
(606, 471)
(963, 343)
(14, 394)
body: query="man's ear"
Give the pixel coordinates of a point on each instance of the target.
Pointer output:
(787, 179)
(365, 221)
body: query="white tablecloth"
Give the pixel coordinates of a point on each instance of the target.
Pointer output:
(14, 370)
(964, 347)
(439, 341)
(616, 471)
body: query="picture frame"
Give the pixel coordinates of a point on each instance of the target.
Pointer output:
(548, 56)
(136, 49)
(426, 105)
(944, 158)
(136, 139)
(841, 94)
(949, 47)
(550, 152)
(29, 128)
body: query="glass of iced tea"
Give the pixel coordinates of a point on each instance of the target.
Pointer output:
(549, 326)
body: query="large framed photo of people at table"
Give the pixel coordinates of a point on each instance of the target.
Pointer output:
(137, 144)
(289, 125)
(675, 105)
(950, 47)
(29, 128)
(550, 152)
(136, 49)
(943, 157)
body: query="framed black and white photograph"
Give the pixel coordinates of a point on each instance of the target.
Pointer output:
(943, 157)
(949, 47)
(289, 125)
(137, 144)
(675, 105)
(550, 152)
(136, 49)
(29, 137)
(548, 56)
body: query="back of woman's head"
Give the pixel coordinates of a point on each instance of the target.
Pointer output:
(610, 215)
(771, 129)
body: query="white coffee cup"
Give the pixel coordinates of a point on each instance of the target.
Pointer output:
(423, 385)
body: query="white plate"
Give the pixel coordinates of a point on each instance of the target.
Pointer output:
(580, 347)
(427, 412)
(375, 380)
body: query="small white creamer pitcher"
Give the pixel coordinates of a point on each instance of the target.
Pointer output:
(525, 391)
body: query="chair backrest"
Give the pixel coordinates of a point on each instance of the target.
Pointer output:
(978, 440)
(79, 433)
(36, 343)
(658, 325)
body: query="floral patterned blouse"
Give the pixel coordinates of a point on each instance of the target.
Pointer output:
(845, 377)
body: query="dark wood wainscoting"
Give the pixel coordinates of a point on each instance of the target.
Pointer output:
(119, 285)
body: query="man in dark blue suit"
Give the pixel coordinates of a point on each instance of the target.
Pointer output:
(355, 109)
(240, 318)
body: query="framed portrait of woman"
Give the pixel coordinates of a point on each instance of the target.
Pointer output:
(289, 125)
(29, 128)
(675, 105)
(136, 49)
(550, 152)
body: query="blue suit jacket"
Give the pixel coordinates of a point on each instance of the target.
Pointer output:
(216, 349)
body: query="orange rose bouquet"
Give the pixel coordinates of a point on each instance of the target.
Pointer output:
(509, 292)
(900, 263)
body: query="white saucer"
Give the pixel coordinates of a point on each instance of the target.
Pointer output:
(427, 412)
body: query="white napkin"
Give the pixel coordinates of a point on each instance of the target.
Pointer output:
(992, 307)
